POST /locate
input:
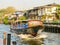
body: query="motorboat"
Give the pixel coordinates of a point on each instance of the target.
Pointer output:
(26, 27)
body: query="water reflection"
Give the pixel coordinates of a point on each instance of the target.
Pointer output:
(33, 42)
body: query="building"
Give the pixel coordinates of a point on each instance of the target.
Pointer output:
(37, 12)
(47, 9)
(31, 14)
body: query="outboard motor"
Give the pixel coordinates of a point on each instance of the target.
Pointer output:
(36, 29)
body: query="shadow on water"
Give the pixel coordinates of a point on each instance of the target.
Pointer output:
(32, 42)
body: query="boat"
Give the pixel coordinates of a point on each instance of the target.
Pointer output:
(26, 27)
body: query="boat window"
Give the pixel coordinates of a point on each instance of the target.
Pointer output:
(24, 21)
(18, 22)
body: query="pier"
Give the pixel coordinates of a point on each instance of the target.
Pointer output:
(52, 27)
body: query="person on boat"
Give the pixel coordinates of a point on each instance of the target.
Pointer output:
(25, 31)
(13, 25)
(18, 24)
(35, 30)
(34, 34)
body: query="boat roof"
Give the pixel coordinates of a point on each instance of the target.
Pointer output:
(25, 20)
(20, 20)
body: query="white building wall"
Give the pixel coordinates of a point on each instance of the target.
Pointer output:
(41, 11)
(47, 10)
(53, 9)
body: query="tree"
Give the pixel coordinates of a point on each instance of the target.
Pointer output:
(5, 20)
(7, 11)
(10, 10)
(2, 11)
(22, 18)
(58, 12)
(43, 17)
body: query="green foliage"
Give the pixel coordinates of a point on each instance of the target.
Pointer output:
(55, 21)
(13, 19)
(7, 10)
(5, 20)
(22, 18)
(10, 10)
(58, 6)
(58, 11)
(43, 17)
(2, 11)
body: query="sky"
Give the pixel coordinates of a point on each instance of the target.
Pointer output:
(25, 4)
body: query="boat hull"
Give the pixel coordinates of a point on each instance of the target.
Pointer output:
(31, 27)
(30, 30)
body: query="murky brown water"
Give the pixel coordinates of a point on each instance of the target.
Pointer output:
(46, 38)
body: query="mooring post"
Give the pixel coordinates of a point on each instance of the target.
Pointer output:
(54, 30)
(8, 39)
(4, 38)
(14, 43)
(51, 29)
(57, 30)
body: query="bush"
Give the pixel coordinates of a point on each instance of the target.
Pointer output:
(22, 18)
(5, 20)
(56, 21)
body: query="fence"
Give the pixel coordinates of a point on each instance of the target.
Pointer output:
(52, 27)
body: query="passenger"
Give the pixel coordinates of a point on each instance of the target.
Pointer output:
(25, 31)
(34, 34)
(18, 24)
(13, 25)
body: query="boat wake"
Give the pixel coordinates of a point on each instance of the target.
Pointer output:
(30, 37)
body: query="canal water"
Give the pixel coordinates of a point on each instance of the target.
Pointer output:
(47, 38)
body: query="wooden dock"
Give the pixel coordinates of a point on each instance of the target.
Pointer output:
(52, 27)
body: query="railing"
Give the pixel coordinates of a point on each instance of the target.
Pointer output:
(52, 23)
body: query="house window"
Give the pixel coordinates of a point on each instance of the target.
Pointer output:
(41, 10)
